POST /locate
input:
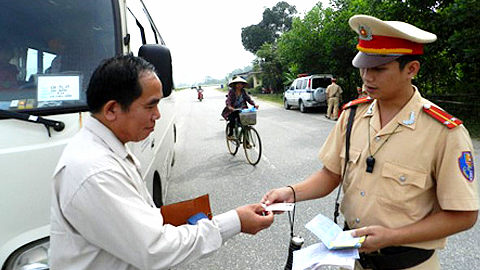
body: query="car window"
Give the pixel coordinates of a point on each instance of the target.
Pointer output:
(298, 84)
(304, 83)
(320, 82)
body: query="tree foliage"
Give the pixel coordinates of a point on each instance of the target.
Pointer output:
(276, 20)
(272, 69)
(322, 42)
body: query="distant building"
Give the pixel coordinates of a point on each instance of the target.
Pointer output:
(257, 81)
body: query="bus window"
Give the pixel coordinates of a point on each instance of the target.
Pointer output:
(49, 51)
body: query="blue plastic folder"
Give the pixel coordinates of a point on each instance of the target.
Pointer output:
(193, 220)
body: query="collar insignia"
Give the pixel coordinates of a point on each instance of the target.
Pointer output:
(411, 120)
(370, 109)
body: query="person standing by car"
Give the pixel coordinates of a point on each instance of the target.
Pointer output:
(409, 181)
(237, 98)
(103, 216)
(334, 93)
(361, 92)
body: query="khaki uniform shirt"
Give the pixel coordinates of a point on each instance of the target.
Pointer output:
(418, 171)
(334, 90)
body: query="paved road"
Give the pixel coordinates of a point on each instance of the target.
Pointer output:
(291, 142)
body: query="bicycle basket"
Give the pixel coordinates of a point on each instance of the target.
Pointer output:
(248, 118)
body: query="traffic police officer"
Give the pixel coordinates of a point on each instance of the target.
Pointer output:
(410, 180)
(334, 92)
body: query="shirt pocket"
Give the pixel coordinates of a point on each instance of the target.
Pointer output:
(353, 155)
(401, 186)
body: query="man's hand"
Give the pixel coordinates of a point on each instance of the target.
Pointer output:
(376, 237)
(279, 195)
(254, 218)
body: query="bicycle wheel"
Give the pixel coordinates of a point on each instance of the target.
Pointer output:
(252, 145)
(231, 144)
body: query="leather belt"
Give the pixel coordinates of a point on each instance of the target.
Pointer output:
(394, 258)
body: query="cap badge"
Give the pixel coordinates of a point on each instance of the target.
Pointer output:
(465, 161)
(365, 32)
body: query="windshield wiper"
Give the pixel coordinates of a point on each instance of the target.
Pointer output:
(56, 125)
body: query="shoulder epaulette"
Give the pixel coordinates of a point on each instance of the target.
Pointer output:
(356, 102)
(442, 116)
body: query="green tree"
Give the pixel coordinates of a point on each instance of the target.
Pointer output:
(322, 42)
(271, 67)
(279, 18)
(463, 43)
(254, 36)
(276, 21)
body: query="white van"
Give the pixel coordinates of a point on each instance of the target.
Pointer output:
(307, 91)
(48, 51)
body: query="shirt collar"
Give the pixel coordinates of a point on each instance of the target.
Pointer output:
(407, 116)
(107, 136)
(410, 113)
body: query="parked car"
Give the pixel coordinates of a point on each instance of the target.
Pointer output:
(307, 91)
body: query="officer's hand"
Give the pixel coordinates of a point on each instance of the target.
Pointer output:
(256, 106)
(254, 218)
(377, 237)
(279, 195)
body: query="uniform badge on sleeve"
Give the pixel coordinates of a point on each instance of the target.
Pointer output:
(465, 161)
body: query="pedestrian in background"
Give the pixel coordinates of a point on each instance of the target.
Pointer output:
(334, 94)
(237, 98)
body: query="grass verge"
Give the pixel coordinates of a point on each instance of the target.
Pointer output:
(276, 98)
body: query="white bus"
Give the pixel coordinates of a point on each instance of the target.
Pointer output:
(48, 51)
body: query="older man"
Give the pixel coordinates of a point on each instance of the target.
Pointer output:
(103, 216)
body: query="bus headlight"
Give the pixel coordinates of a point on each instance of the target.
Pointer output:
(33, 256)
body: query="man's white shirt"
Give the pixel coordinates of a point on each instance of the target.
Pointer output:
(103, 216)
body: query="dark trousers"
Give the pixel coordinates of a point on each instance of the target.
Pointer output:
(233, 119)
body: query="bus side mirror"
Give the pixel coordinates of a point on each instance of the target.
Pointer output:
(159, 56)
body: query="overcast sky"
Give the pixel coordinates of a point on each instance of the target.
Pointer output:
(204, 37)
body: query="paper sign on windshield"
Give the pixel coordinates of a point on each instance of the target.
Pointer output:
(56, 88)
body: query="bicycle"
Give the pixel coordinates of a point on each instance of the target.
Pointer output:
(246, 135)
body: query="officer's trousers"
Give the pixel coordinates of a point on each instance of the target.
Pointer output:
(332, 110)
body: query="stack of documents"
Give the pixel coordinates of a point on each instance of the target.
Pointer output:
(337, 247)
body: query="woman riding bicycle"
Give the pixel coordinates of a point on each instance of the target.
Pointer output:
(237, 98)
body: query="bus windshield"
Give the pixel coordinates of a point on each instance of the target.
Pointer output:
(49, 50)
